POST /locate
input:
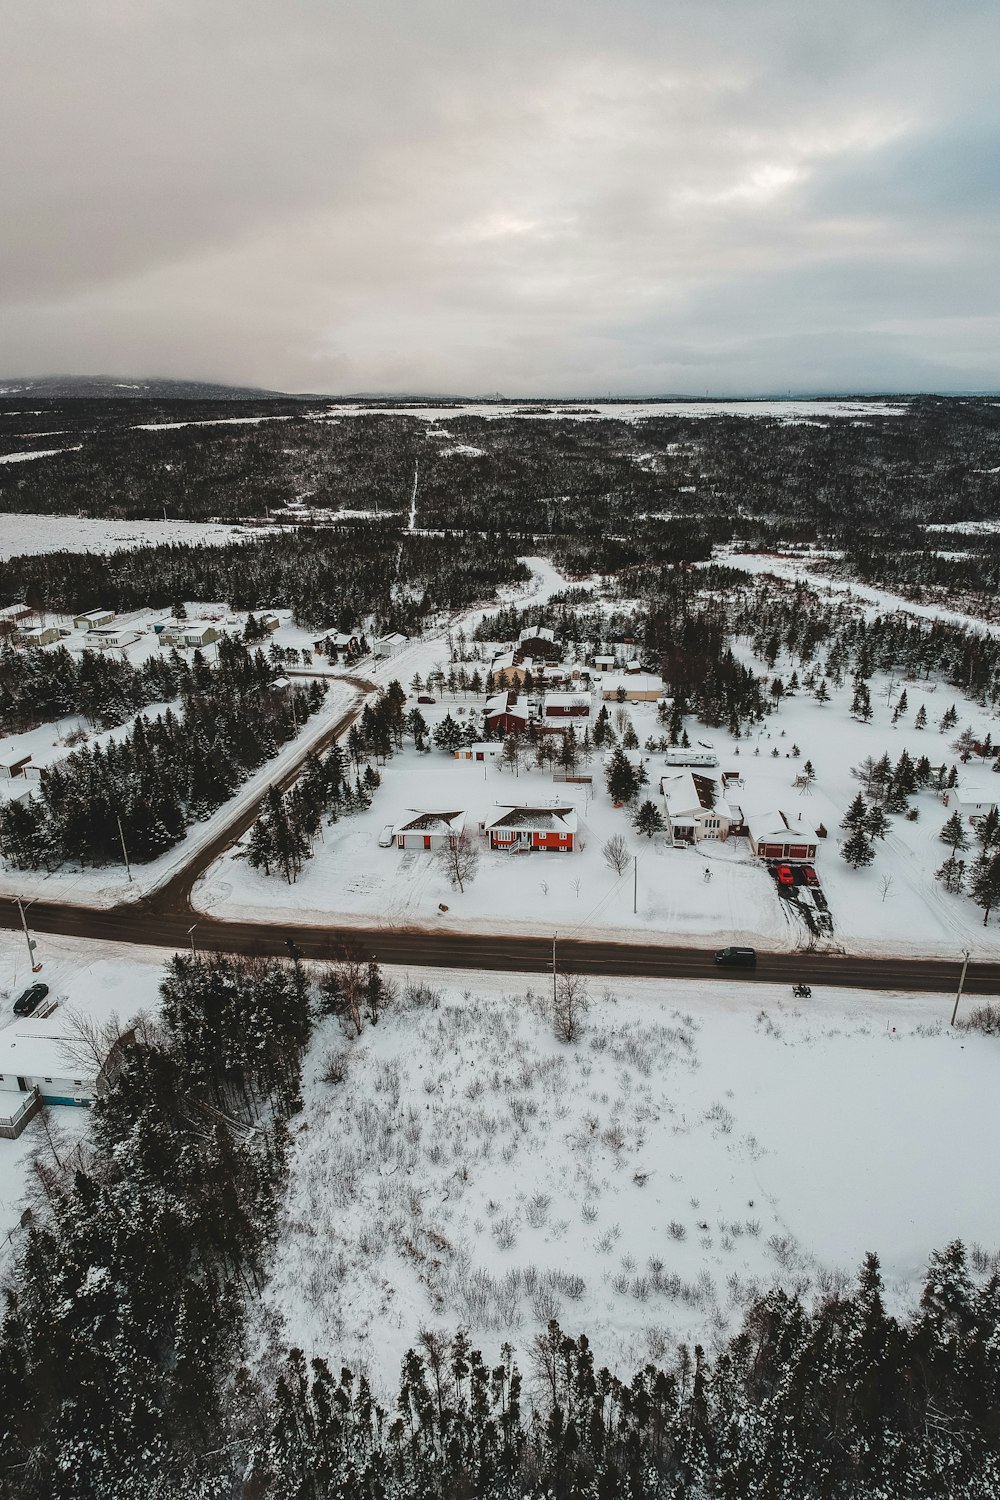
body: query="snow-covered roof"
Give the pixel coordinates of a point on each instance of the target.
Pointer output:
(15, 611)
(632, 682)
(394, 638)
(94, 614)
(776, 827)
(565, 699)
(503, 662)
(37, 1049)
(558, 819)
(976, 794)
(536, 633)
(507, 703)
(430, 822)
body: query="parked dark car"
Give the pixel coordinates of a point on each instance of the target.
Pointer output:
(737, 958)
(425, 698)
(26, 1003)
(809, 875)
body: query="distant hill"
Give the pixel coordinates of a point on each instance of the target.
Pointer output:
(98, 387)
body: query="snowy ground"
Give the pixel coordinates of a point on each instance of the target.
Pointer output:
(695, 1145)
(794, 568)
(98, 980)
(109, 887)
(631, 411)
(352, 880)
(21, 533)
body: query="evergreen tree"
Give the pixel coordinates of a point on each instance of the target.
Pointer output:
(858, 849)
(649, 819)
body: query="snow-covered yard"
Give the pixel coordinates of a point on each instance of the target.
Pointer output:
(694, 1145)
(350, 879)
(26, 533)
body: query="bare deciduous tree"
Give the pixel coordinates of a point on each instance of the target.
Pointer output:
(459, 857)
(616, 854)
(570, 1005)
(344, 990)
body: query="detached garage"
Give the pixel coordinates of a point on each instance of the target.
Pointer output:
(428, 830)
(774, 835)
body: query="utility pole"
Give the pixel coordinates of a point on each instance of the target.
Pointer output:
(635, 885)
(28, 938)
(190, 934)
(961, 985)
(121, 835)
(553, 968)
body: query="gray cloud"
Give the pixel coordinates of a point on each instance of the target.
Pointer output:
(561, 196)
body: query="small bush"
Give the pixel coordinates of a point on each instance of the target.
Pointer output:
(984, 1018)
(335, 1067)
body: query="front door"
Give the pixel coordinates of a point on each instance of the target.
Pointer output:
(22, 1085)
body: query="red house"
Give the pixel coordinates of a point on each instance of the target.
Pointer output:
(524, 828)
(565, 705)
(506, 713)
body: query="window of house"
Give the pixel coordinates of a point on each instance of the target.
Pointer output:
(48, 1080)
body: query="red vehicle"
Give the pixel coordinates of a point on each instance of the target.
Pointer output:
(785, 875)
(809, 875)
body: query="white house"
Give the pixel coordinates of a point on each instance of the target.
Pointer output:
(35, 1053)
(111, 638)
(973, 800)
(390, 645)
(427, 830)
(694, 808)
(482, 750)
(638, 687)
(775, 835)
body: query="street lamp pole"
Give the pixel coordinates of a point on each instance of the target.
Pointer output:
(961, 985)
(190, 933)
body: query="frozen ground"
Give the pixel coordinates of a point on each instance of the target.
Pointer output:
(696, 1144)
(873, 600)
(108, 887)
(630, 411)
(29, 533)
(97, 980)
(351, 880)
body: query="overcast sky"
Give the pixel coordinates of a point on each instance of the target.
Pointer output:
(555, 196)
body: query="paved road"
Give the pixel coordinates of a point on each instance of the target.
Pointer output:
(146, 924)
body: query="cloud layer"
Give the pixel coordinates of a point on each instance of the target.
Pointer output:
(547, 197)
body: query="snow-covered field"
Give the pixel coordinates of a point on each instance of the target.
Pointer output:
(629, 411)
(350, 879)
(29, 533)
(694, 1145)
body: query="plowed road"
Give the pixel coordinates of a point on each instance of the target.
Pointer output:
(145, 924)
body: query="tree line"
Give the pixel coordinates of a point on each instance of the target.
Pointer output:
(165, 773)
